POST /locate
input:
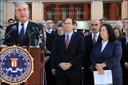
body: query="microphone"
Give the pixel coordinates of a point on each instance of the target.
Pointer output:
(35, 38)
(1, 27)
(13, 28)
(35, 30)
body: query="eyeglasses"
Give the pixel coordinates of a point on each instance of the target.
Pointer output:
(125, 22)
(49, 22)
(94, 25)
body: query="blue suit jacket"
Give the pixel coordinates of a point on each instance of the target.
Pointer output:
(73, 54)
(111, 56)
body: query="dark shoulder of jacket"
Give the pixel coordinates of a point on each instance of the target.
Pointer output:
(58, 38)
(117, 42)
(87, 37)
(36, 27)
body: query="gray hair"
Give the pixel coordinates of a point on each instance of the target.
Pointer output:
(21, 2)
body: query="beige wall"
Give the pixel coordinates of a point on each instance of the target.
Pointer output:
(124, 9)
(9, 11)
(96, 10)
(37, 10)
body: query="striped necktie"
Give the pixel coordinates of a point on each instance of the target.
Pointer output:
(67, 41)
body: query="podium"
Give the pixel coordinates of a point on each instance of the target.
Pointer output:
(37, 77)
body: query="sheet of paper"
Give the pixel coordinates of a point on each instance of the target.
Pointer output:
(105, 79)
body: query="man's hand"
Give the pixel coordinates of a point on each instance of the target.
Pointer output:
(54, 72)
(46, 59)
(91, 68)
(126, 64)
(65, 66)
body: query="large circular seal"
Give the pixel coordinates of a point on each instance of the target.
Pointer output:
(16, 65)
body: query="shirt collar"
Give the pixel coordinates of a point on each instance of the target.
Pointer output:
(95, 34)
(104, 42)
(70, 34)
(25, 26)
(49, 31)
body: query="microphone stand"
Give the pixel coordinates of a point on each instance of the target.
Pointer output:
(28, 35)
(30, 41)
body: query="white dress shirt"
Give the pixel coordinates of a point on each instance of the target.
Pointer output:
(70, 35)
(104, 45)
(20, 26)
(96, 37)
(49, 31)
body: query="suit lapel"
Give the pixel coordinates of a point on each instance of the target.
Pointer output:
(63, 42)
(99, 48)
(28, 27)
(16, 31)
(90, 38)
(106, 47)
(71, 41)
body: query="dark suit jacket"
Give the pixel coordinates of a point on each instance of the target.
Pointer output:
(88, 50)
(73, 54)
(125, 51)
(50, 39)
(79, 33)
(111, 56)
(13, 38)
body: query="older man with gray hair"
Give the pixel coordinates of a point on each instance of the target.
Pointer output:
(24, 32)
(20, 34)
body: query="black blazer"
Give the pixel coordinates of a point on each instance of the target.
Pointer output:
(79, 33)
(125, 51)
(73, 54)
(88, 49)
(50, 39)
(13, 38)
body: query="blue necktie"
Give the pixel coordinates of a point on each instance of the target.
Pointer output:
(21, 35)
(94, 39)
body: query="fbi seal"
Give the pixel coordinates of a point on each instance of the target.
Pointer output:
(16, 65)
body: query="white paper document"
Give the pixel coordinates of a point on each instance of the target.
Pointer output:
(105, 79)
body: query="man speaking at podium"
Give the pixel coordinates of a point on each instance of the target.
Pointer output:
(24, 32)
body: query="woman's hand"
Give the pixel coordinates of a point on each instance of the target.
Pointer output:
(100, 67)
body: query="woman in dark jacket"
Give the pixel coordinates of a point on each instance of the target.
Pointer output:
(107, 54)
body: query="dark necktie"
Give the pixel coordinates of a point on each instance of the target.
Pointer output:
(67, 41)
(44, 39)
(21, 35)
(94, 39)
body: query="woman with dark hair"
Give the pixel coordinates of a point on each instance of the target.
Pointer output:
(107, 53)
(119, 34)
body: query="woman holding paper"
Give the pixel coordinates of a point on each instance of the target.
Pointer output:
(107, 53)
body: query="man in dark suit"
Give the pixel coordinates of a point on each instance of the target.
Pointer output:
(124, 59)
(50, 35)
(67, 52)
(24, 32)
(90, 40)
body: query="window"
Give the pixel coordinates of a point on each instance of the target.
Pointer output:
(112, 11)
